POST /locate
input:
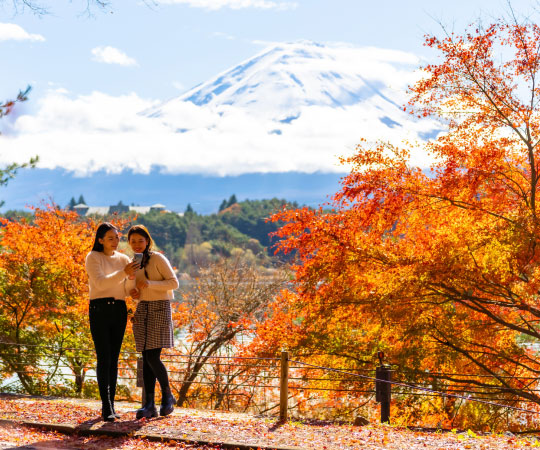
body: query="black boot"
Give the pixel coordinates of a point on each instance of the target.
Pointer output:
(149, 408)
(167, 402)
(107, 411)
(114, 413)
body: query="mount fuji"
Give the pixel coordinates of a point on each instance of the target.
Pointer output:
(273, 125)
(289, 86)
(286, 77)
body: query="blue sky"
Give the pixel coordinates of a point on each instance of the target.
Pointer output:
(93, 73)
(178, 45)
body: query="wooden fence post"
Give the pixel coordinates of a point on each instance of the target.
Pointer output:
(383, 391)
(284, 386)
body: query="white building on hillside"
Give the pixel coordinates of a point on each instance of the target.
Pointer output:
(85, 210)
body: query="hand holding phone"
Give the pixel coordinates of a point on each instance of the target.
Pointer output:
(137, 257)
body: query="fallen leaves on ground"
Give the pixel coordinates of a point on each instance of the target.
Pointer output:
(216, 426)
(18, 436)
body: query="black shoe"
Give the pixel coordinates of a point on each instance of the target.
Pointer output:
(167, 403)
(107, 413)
(149, 409)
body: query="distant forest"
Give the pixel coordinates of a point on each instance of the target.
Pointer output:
(191, 241)
(239, 229)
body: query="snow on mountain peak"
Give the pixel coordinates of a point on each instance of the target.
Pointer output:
(283, 78)
(293, 106)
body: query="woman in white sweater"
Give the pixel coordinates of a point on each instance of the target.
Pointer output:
(152, 323)
(107, 271)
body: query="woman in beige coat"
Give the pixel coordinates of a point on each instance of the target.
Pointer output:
(155, 282)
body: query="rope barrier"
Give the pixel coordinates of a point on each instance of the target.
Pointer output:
(443, 374)
(468, 398)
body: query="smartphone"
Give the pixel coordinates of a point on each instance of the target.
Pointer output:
(137, 257)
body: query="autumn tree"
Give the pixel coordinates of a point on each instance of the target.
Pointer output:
(437, 267)
(218, 312)
(43, 298)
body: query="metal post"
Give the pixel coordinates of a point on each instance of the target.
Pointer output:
(383, 391)
(284, 387)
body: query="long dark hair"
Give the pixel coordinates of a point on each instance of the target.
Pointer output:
(100, 234)
(141, 230)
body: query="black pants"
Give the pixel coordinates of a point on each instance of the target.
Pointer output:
(108, 318)
(154, 369)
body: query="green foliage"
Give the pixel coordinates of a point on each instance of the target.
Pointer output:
(167, 229)
(192, 241)
(14, 214)
(251, 218)
(232, 200)
(213, 228)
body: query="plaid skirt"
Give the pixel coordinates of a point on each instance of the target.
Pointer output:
(152, 325)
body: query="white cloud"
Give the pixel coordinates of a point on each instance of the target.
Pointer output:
(234, 4)
(99, 132)
(112, 55)
(12, 32)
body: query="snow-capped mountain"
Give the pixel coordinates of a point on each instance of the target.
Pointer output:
(296, 106)
(293, 107)
(282, 81)
(288, 76)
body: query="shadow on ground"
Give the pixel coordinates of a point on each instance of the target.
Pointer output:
(71, 443)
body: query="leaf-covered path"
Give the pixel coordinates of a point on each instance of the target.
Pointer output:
(188, 428)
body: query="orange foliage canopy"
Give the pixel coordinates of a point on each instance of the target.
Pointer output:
(44, 294)
(438, 267)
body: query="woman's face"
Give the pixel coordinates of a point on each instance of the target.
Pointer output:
(137, 243)
(110, 242)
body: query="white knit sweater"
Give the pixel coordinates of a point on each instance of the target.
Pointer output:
(106, 276)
